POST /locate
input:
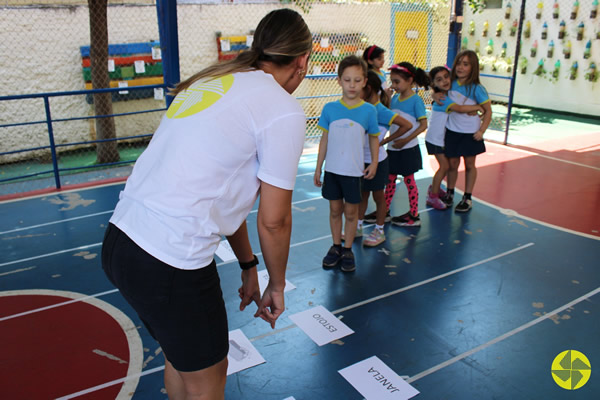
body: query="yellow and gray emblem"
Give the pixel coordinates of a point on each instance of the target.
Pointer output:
(199, 97)
(571, 369)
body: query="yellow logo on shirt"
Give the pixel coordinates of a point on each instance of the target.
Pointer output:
(200, 96)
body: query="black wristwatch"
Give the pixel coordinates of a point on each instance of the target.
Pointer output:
(249, 264)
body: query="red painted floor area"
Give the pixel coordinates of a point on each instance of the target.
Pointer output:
(65, 356)
(561, 188)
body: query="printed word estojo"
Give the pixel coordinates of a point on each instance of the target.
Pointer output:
(378, 377)
(324, 322)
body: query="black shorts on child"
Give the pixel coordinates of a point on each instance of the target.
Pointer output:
(342, 187)
(405, 162)
(380, 180)
(458, 144)
(433, 149)
(183, 310)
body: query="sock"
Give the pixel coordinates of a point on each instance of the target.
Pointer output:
(390, 190)
(467, 196)
(337, 246)
(379, 227)
(347, 250)
(360, 223)
(450, 192)
(413, 194)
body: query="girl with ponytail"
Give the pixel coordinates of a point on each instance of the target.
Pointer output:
(233, 131)
(373, 93)
(404, 153)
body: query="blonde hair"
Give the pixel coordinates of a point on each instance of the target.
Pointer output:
(280, 37)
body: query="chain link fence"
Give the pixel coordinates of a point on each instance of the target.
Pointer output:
(50, 47)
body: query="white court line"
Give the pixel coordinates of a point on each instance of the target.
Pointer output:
(502, 337)
(95, 388)
(544, 156)
(57, 305)
(56, 222)
(110, 211)
(87, 246)
(111, 383)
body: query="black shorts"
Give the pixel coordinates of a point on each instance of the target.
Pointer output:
(405, 162)
(458, 144)
(342, 187)
(433, 149)
(183, 310)
(380, 180)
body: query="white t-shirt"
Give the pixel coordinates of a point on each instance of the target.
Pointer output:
(200, 175)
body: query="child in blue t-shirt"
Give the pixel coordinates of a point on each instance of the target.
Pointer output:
(376, 95)
(346, 123)
(464, 132)
(373, 56)
(403, 152)
(436, 133)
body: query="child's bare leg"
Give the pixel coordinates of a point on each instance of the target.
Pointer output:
(439, 175)
(336, 209)
(364, 203)
(351, 217)
(453, 163)
(470, 174)
(379, 197)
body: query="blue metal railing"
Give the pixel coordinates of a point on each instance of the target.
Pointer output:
(49, 121)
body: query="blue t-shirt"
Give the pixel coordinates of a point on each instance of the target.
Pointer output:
(385, 117)
(436, 129)
(413, 110)
(466, 95)
(347, 127)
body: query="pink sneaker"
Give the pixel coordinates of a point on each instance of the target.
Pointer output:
(435, 202)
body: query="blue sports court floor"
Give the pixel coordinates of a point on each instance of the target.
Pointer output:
(472, 306)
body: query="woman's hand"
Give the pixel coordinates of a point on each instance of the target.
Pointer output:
(249, 291)
(272, 305)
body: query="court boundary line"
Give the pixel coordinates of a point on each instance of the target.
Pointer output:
(517, 149)
(502, 337)
(291, 326)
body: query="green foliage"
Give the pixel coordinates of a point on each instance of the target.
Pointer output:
(477, 6)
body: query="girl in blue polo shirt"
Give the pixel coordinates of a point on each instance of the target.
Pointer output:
(404, 153)
(376, 95)
(464, 132)
(436, 133)
(373, 56)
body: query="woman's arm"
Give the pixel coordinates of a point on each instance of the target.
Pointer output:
(403, 127)
(240, 244)
(274, 225)
(485, 120)
(400, 143)
(321, 158)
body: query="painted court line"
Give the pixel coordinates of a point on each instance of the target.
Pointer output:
(56, 222)
(157, 369)
(87, 246)
(502, 337)
(111, 383)
(545, 156)
(57, 305)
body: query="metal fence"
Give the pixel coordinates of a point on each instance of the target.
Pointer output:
(57, 130)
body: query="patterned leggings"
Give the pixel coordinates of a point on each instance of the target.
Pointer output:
(413, 192)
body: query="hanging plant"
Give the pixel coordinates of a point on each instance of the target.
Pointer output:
(477, 6)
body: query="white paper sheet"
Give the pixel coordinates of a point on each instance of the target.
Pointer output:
(156, 53)
(376, 381)
(123, 84)
(242, 354)
(263, 281)
(225, 252)
(159, 93)
(111, 65)
(140, 66)
(321, 325)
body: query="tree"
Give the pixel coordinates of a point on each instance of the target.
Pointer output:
(106, 152)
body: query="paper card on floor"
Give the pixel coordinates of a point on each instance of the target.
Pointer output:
(376, 381)
(225, 252)
(242, 354)
(321, 325)
(263, 281)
